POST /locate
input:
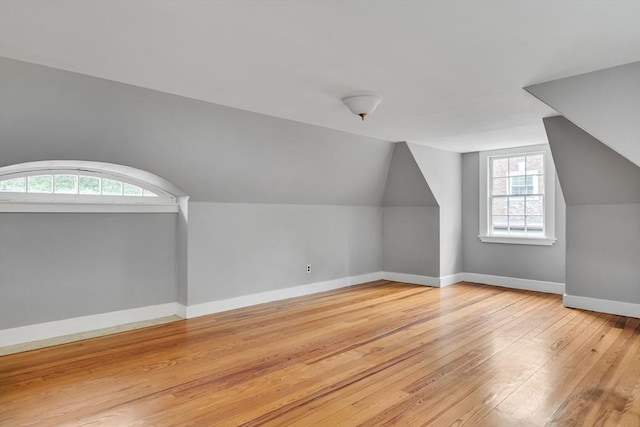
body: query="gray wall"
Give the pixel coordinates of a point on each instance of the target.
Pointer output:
(410, 219)
(406, 185)
(605, 103)
(590, 173)
(213, 153)
(411, 240)
(545, 263)
(58, 266)
(603, 252)
(443, 173)
(602, 190)
(239, 249)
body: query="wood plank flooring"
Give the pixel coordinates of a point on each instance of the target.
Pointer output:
(377, 354)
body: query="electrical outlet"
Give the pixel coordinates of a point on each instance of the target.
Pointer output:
(308, 268)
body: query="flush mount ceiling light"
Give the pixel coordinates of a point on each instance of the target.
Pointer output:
(361, 105)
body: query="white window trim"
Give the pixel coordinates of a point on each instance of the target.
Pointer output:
(23, 202)
(550, 197)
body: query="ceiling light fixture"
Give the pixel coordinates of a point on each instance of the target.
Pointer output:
(361, 105)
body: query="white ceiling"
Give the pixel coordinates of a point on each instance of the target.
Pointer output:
(451, 72)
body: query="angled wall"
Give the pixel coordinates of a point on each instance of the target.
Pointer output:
(267, 196)
(443, 173)
(213, 153)
(602, 191)
(410, 219)
(590, 173)
(605, 103)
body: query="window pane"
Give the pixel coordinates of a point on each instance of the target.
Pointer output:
(523, 184)
(517, 165)
(148, 193)
(517, 185)
(500, 167)
(132, 190)
(15, 185)
(500, 223)
(535, 205)
(516, 205)
(499, 206)
(535, 164)
(111, 187)
(89, 185)
(535, 223)
(40, 184)
(516, 223)
(499, 187)
(65, 184)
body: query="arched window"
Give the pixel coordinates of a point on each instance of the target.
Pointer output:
(81, 187)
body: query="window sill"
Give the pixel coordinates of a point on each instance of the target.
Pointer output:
(536, 241)
(10, 207)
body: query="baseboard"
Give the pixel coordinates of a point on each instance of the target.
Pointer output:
(76, 325)
(41, 331)
(218, 306)
(515, 283)
(451, 279)
(414, 279)
(181, 310)
(602, 305)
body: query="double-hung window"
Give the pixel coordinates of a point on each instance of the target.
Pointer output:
(517, 196)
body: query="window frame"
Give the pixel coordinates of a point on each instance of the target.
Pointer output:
(485, 234)
(60, 202)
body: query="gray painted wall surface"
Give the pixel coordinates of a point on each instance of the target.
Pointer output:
(545, 263)
(602, 190)
(241, 249)
(213, 153)
(606, 103)
(442, 170)
(58, 266)
(410, 219)
(406, 185)
(603, 252)
(590, 173)
(410, 240)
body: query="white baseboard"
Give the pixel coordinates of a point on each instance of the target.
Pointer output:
(414, 279)
(76, 325)
(515, 283)
(218, 306)
(181, 310)
(451, 279)
(602, 305)
(41, 331)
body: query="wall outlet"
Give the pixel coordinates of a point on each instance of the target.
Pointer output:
(308, 268)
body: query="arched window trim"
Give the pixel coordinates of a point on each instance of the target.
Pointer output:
(164, 202)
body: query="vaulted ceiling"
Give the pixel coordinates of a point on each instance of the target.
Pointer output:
(451, 72)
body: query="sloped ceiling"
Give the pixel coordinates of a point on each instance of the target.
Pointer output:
(451, 72)
(605, 103)
(590, 173)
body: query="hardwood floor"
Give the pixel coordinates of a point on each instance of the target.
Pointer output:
(383, 353)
